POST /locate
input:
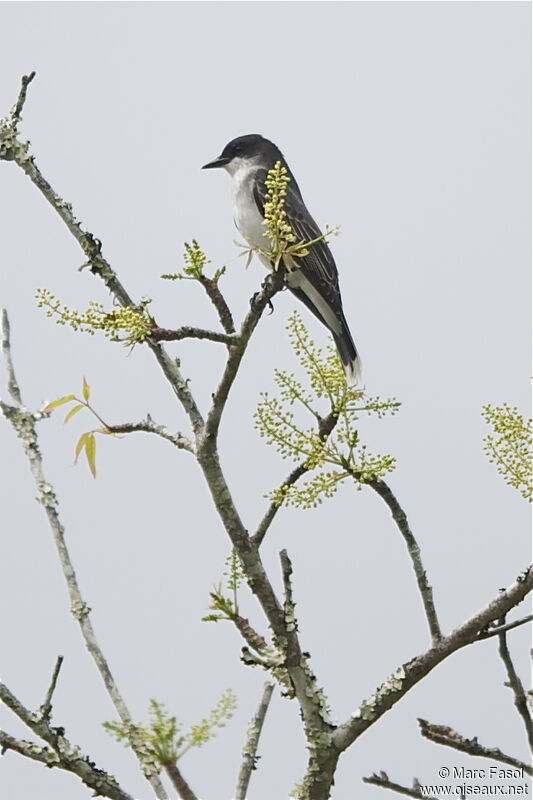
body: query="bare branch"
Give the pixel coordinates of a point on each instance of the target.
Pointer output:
(515, 684)
(24, 423)
(60, 753)
(442, 734)
(149, 426)
(46, 708)
(424, 588)
(509, 626)
(249, 754)
(383, 781)
(16, 112)
(217, 298)
(258, 303)
(12, 383)
(413, 671)
(188, 332)
(179, 783)
(249, 634)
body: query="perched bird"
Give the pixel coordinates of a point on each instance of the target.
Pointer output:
(315, 281)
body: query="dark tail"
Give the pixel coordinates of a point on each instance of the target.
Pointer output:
(349, 356)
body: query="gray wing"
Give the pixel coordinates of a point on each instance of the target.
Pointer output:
(318, 266)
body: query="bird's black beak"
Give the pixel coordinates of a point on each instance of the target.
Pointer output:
(221, 161)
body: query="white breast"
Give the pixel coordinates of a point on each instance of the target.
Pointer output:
(247, 218)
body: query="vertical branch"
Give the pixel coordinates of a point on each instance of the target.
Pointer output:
(515, 684)
(249, 754)
(424, 588)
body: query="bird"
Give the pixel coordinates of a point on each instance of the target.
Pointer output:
(315, 281)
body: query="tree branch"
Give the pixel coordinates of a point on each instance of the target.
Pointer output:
(16, 112)
(149, 426)
(188, 332)
(383, 781)
(179, 783)
(61, 752)
(515, 684)
(217, 298)
(46, 709)
(400, 518)
(258, 303)
(442, 734)
(410, 673)
(24, 424)
(249, 754)
(496, 630)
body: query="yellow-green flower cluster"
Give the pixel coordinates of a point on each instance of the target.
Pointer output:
(278, 230)
(340, 456)
(125, 324)
(161, 739)
(510, 448)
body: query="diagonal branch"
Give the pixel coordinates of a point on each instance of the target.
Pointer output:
(249, 754)
(515, 684)
(217, 298)
(46, 708)
(24, 424)
(442, 734)
(16, 112)
(400, 518)
(325, 426)
(413, 671)
(509, 626)
(60, 752)
(235, 355)
(179, 783)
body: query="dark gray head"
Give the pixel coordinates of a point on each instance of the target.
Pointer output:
(250, 148)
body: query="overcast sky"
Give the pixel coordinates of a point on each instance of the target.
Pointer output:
(408, 124)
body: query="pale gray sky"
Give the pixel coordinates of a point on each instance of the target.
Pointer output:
(409, 125)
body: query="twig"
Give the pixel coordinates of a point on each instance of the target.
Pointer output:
(189, 332)
(383, 781)
(179, 783)
(249, 634)
(424, 588)
(217, 298)
(24, 423)
(442, 734)
(16, 111)
(259, 302)
(46, 708)
(326, 426)
(149, 426)
(515, 684)
(509, 626)
(249, 754)
(413, 671)
(12, 385)
(60, 753)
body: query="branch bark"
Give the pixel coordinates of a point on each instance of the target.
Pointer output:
(515, 684)
(442, 734)
(60, 753)
(249, 754)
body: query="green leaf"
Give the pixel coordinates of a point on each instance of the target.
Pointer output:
(90, 452)
(80, 446)
(59, 402)
(86, 390)
(73, 410)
